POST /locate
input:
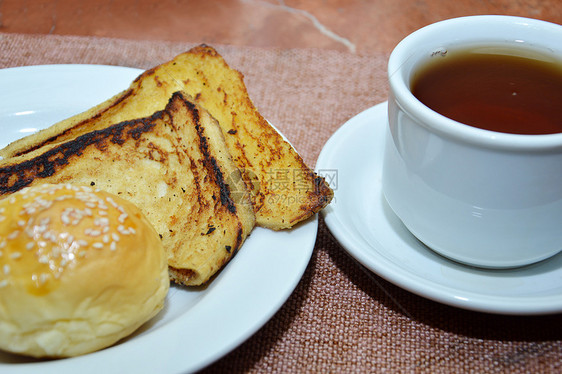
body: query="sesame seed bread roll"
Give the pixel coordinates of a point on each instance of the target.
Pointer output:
(79, 270)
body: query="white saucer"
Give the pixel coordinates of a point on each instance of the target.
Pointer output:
(363, 223)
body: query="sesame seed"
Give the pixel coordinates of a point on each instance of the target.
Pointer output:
(41, 228)
(92, 232)
(49, 235)
(112, 202)
(64, 218)
(29, 232)
(101, 221)
(13, 235)
(58, 250)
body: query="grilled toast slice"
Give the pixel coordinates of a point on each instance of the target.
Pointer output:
(284, 190)
(174, 165)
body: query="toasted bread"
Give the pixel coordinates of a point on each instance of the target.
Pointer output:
(284, 190)
(174, 165)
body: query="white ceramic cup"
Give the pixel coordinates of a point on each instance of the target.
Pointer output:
(479, 197)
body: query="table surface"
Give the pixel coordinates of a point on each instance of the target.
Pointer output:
(345, 25)
(326, 61)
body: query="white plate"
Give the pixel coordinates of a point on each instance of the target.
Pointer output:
(368, 229)
(198, 326)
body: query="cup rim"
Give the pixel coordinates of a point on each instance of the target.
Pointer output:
(449, 127)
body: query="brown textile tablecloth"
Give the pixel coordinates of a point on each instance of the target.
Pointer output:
(340, 318)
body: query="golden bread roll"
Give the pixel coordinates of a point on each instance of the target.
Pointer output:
(79, 270)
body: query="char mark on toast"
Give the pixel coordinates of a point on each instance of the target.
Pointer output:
(174, 165)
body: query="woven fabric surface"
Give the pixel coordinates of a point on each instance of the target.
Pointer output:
(341, 317)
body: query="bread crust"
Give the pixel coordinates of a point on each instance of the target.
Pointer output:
(284, 190)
